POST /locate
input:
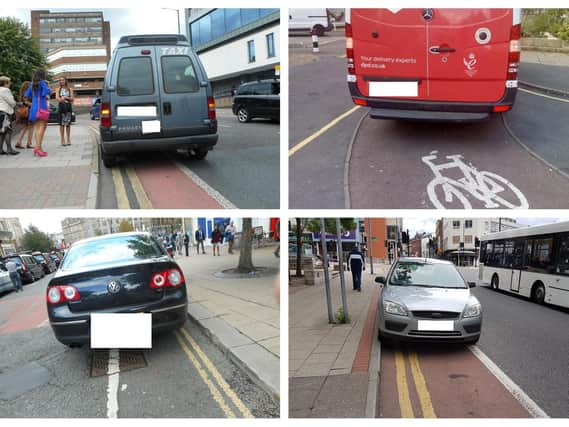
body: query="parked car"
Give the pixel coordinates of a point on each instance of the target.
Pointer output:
(45, 261)
(55, 258)
(428, 300)
(30, 269)
(54, 114)
(433, 64)
(115, 273)
(6, 284)
(258, 99)
(95, 111)
(156, 97)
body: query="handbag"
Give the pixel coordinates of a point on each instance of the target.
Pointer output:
(43, 113)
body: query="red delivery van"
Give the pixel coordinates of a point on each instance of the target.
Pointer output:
(433, 64)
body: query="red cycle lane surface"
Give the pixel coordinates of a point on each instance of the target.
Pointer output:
(22, 313)
(456, 385)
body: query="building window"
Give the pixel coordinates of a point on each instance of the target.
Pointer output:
(467, 239)
(270, 45)
(468, 223)
(455, 240)
(251, 50)
(456, 224)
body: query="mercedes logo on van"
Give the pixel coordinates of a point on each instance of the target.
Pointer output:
(114, 286)
(428, 14)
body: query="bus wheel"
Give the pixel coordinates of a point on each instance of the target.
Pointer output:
(494, 283)
(538, 293)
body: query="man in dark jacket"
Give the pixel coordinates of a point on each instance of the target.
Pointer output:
(200, 239)
(356, 263)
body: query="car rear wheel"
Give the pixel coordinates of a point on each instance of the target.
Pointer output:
(318, 30)
(538, 293)
(472, 341)
(243, 115)
(109, 161)
(199, 154)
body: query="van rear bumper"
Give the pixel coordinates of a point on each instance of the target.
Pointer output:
(193, 142)
(384, 108)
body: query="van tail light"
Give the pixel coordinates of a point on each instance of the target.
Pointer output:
(359, 101)
(350, 49)
(514, 52)
(171, 278)
(501, 108)
(60, 293)
(105, 115)
(210, 108)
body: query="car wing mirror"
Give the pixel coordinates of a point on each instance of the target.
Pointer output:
(380, 280)
(203, 83)
(471, 284)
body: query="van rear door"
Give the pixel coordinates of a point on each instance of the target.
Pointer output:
(134, 93)
(456, 55)
(183, 92)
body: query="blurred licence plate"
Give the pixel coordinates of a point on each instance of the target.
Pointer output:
(150, 126)
(435, 325)
(394, 88)
(121, 330)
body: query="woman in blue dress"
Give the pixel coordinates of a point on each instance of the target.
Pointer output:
(39, 93)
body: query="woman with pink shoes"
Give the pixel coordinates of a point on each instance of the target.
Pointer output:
(39, 93)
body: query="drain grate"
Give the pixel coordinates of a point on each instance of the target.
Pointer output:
(129, 360)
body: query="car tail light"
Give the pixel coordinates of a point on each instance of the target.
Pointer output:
(350, 49)
(514, 52)
(105, 115)
(59, 293)
(210, 108)
(501, 108)
(359, 101)
(171, 278)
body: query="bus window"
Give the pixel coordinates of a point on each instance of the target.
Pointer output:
(509, 253)
(563, 263)
(498, 255)
(541, 253)
(518, 256)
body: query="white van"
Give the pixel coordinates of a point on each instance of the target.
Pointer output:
(315, 21)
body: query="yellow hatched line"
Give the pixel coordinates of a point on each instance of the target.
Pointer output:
(120, 189)
(402, 387)
(421, 387)
(143, 200)
(220, 380)
(217, 396)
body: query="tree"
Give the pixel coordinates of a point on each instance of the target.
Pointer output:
(246, 248)
(21, 54)
(125, 226)
(36, 240)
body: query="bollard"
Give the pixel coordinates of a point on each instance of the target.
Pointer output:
(315, 48)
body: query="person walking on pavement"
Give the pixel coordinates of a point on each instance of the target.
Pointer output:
(356, 263)
(216, 240)
(39, 93)
(22, 117)
(12, 268)
(64, 97)
(7, 104)
(200, 239)
(186, 243)
(229, 236)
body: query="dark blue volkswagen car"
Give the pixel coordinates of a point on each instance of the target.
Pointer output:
(115, 273)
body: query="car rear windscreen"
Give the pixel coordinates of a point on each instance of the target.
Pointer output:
(112, 250)
(135, 77)
(179, 75)
(425, 274)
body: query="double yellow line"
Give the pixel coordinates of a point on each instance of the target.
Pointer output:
(420, 386)
(209, 374)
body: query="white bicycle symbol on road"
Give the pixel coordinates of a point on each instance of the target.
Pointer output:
(487, 187)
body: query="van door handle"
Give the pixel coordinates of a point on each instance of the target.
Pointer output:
(441, 49)
(167, 108)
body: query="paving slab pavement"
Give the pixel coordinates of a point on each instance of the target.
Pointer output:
(240, 314)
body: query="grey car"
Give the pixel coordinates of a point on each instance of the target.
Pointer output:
(156, 97)
(6, 284)
(428, 300)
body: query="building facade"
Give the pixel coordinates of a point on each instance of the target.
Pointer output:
(235, 46)
(11, 235)
(78, 47)
(383, 237)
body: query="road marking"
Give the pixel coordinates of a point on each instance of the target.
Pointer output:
(402, 387)
(484, 186)
(421, 387)
(212, 192)
(113, 387)
(143, 200)
(42, 324)
(544, 96)
(216, 394)
(224, 126)
(515, 390)
(315, 135)
(120, 189)
(220, 380)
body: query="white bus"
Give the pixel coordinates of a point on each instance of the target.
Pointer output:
(533, 262)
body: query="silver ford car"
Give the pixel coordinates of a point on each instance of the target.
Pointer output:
(428, 300)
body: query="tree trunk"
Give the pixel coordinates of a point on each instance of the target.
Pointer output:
(246, 251)
(298, 247)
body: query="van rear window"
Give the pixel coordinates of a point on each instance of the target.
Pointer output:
(135, 77)
(179, 75)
